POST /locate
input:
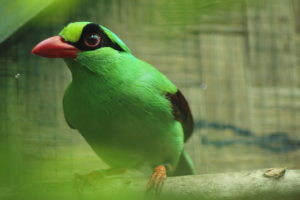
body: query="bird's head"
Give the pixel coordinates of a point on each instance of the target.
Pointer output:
(77, 38)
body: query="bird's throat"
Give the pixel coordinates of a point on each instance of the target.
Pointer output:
(78, 71)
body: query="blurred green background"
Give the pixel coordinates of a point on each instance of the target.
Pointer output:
(236, 61)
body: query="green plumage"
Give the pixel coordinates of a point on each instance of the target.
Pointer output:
(119, 104)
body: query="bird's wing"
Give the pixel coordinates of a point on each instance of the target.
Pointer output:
(182, 112)
(180, 107)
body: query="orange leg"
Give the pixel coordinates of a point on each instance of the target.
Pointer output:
(90, 179)
(157, 179)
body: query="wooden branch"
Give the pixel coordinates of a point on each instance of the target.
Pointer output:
(274, 184)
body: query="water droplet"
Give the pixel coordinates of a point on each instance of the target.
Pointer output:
(17, 75)
(203, 86)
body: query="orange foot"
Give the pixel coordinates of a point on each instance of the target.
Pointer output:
(157, 180)
(90, 179)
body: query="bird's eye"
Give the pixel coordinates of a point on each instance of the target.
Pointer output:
(92, 40)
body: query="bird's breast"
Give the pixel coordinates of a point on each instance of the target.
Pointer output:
(118, 122)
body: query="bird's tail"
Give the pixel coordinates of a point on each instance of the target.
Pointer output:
(185, 165)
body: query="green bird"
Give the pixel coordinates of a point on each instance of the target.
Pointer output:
(131, 115)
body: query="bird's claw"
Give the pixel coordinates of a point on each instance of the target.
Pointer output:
(156, 181)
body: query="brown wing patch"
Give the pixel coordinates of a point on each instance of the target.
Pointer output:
(182, 112)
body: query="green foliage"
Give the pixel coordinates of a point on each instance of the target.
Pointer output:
(15, 13)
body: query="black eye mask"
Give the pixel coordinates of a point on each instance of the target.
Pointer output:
(88, 38)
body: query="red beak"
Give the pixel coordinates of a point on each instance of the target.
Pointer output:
(55, 47)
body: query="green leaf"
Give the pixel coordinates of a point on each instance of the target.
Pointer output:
(15, 13)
